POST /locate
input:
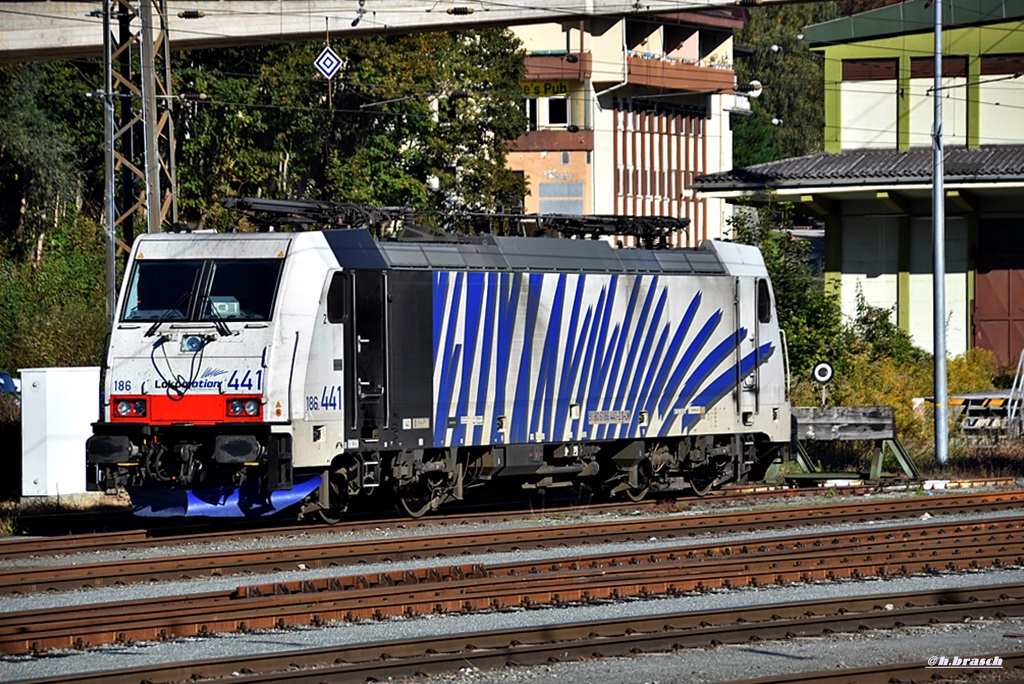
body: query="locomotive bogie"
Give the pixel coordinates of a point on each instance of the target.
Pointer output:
(256, 372)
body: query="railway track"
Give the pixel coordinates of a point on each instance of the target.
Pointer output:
(177, 534)
(467, 588)
(22, 580)
(53, 534)
(604, 638)
(895, 673)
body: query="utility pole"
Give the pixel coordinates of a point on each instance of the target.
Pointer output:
(138, 126)
(939, 254)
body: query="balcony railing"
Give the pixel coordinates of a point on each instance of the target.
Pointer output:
(671, 73)
(645, 70)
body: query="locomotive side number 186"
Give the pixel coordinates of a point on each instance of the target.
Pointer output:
(329, 399)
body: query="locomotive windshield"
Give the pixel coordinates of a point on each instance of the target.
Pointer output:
(202, 290)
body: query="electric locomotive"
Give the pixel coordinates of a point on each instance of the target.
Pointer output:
(249, 373)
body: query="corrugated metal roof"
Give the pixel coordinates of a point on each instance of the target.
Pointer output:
(872, 166)
(911, 17)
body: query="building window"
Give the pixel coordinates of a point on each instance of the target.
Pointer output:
(558, 111)
(547, 112)
(531, 113)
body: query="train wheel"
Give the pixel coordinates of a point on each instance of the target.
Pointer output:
(643, 477)
(637, 494)
(418, 497)
(702, 480)
(332, 515)
(337, 497)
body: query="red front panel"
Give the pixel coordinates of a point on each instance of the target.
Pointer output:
(198, 409)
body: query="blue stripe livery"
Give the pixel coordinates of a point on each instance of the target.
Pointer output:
(554, 357)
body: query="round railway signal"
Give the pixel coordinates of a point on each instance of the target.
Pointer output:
(823, 373)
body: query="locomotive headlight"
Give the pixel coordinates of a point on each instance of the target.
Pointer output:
(242, 407)
(192, 343)
(130, 408)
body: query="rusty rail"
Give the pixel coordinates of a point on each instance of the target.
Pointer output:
(475, 587)
(128, 571)
(604, 638)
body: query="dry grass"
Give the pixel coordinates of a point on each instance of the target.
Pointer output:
(1001, 460)
(14, 513)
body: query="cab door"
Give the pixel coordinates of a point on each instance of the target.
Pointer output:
(369, 345)
(326, 402)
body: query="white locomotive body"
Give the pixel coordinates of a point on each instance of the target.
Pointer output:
(249, 372)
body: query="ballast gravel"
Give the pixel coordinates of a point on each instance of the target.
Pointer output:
(697, 665)
(764, 659)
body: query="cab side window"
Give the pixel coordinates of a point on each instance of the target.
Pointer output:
(339, 303)
(764, 302)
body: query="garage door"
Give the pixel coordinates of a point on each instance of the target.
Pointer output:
(999, 289)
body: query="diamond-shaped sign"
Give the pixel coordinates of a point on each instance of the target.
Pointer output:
(328, 62)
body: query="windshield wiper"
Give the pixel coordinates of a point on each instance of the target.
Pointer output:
(218, 320)
(166, 315)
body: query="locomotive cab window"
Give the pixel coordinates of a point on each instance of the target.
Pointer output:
(162, 290)
(764, 302)
(194, 290)
(241, 289)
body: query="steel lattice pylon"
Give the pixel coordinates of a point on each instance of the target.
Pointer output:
(138, 125)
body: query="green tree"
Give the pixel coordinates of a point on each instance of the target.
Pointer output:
(52, 309)
(439, 107)
(405, 114)
(793, 81)
(39, 155)
(258, 129)
(880, 337)
(51, 245)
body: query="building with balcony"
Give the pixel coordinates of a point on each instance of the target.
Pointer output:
(625, 112)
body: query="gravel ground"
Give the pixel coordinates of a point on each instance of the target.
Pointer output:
(725, 663)
(769, 659)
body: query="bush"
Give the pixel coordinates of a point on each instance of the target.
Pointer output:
(903, 384)
(53, 311)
